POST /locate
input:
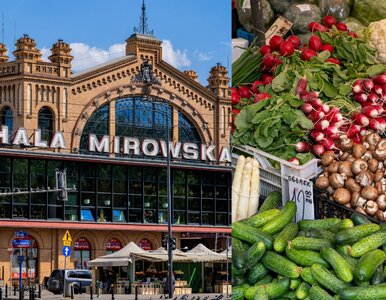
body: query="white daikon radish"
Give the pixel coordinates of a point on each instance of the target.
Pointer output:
(236, 185)
(242, 211)
(254, 194)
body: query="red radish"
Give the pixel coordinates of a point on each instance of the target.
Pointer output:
(372, 97)
(315, 43)
(306, 108)
(318, 149)
(316, 103)
(325, 108)
(327, 47)
(331, 130)
(255, 86)
(287, 48)
(374, 125)
(353, 34)
(314, 26)
(317, 135)
(378, 89)
(333, 60)
(315, 116)
(383, 87)
(382, 124)
(294, 160)
(244, 92)
(328, 144)
(294, 40)
(235, 112)
(307, 54)
(341, 26)
(361, 119)
(301, 86)
(302, 147)
(380, 109)
(329, 21)
(309, 96)
(353, 130)
(265, 49)
(356, 139)
(361, 98)
(235, 97)
(381, 79)
(363, 132)
(321, 125)
(269, 60)
(266, 79)
(261, 96)
(275, 42)
(368, 84)
(370, 111)
(334, 115)
(357, 86)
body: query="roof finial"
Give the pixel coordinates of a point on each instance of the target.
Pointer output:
(143, 28)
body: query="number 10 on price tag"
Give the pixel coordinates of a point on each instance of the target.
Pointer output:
(301, 192)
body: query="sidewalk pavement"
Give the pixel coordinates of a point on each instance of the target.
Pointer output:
(46, 295)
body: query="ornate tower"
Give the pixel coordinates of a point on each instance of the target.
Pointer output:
(27, 54)
(191, 74)
(219, 81)
(3, 53)
(61, 55)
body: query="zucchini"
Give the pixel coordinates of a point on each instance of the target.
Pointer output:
(273, 289)
(278, 223)
(375, 292)
(273, 200)
(281, 265)
(288, 233)
(368, 264)
(326, 224)
(307, 276)
(302, 290)
(339, 264)
(371, 242)
(306, 243)
(304, 258)
(326, 279)
(237, 293)
(238, 257)
(317, 293)
(256, 273)
(359, 219)
(251, 234)
(254, 254)
(263, 218)
(379, 276)
(354, 234)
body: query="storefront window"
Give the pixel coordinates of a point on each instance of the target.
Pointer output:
(145, 244)
(46, 123)
(30, 262)
(6, 117)
(82, 250)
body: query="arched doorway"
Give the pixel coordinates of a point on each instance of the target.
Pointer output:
(82, 253)
(30, 264)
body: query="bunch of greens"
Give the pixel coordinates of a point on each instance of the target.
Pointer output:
(274, 125)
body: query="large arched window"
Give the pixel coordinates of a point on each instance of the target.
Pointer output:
(46, 123)
(186, 130)
(6, 116)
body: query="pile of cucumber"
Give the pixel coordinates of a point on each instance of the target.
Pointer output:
(275, 258)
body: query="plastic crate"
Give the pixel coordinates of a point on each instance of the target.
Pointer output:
(241, 33)
(326, 208)
(272, 179)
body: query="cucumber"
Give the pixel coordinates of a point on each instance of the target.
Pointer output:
(317, 293)
(350, 260)
(375, 292)
(263, 218)
(273, 289)
(281, 265)
(359, 219)
(307, 276)
(306, 243)
(256, 273)
(339, 264)
(254, 254)
(261, 294)
(294, 283)
(238, 257)
(326, 279)
(343, 248)
(343, 224)
(273, 200)
(304, 258)
(371, 242)
(289, 295)
(278, 223)
(288, 233)
(266, 279)
(238, 280)
(302, 290)
(237, 293)
(354, 234)
(379, 276)
(368, 264)
(326, 224)
(251, 234)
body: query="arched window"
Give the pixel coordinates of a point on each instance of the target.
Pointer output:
(46, 123)
(113, 245)
(6, 116)
(82, 250)
(187, 132)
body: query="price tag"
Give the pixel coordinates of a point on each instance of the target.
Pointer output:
(280, 27)
(301, 192)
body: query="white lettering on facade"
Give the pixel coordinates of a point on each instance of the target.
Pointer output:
(38, 139)
(190, 151)
(225, 155)
(21, 137)
(174, 149)
(207, 152)
(130, 144)
(117, 144)
(4, 134)
(100, 146)
(152, 150)
(58, 141)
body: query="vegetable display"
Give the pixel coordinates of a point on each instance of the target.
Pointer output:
(313, 259)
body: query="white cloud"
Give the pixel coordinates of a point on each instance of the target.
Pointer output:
(177, 58)
(201, 56)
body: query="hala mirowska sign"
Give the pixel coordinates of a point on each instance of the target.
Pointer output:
(124, 145)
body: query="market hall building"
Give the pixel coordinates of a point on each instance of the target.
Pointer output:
(107, 127)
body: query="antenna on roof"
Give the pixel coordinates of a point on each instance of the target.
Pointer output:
(2, 29)
(14, 33)
(143, 26)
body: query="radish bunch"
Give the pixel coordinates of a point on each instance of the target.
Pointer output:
(371, 94)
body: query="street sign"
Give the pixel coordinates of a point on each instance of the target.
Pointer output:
(21, 234)
(67, 237)
(66, 243)
(66, 251)
(20, 243)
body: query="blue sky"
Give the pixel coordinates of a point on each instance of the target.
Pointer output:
(196, 34)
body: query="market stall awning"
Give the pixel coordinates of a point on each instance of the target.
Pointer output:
(161, 255)
(200, 253)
